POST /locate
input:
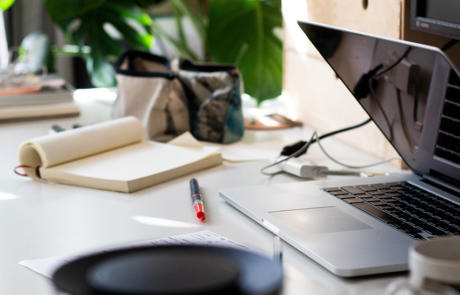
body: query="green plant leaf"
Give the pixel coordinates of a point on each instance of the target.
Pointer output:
(102, 72)
(241, 32)
(60, 10)
(133, 37)
(184, 51)
(5, 4)
(180, 42)
(140, 17)
(146, 4)
(85, 24)
(196, 18)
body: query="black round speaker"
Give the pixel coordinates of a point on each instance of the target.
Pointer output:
(171, 270)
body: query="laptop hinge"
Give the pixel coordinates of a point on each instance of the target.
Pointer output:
(442, 185)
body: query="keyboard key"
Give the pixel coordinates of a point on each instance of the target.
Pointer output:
(390, 200)
(339, 193)
(386, 208)
(375, 212)
(353, 200)
(381, 185)
(369, 199)
(367, 188)
(393, 195)
(450, 214)
(332, 189)
(379, 194)
(353, 190)
(397, 187)
(345, 196)
(378, 203)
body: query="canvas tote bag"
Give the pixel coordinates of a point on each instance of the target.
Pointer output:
(148, 90)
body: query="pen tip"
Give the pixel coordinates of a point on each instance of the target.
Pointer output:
(200, 216)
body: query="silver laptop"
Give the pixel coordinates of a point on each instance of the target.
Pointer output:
(362, 226)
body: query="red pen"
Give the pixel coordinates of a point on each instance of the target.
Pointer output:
(197, 203)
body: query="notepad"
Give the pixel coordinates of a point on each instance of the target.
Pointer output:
(52, 97)
(38, 111)
(111, 156)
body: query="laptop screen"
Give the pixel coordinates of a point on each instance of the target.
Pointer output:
(411, 92)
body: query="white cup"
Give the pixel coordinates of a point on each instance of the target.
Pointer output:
(434, 267)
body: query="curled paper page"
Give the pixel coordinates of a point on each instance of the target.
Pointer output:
(50, 150)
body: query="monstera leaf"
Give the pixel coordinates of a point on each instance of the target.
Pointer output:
(106, 26)
(243, 32)
(5, 4)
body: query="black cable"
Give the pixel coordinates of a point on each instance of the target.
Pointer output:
(362, 88)
(372, 91)
(364, 85)
(394, 64)
(382, 110)
(415, 109)
(293, 148)
(402, 118)
(449, 44)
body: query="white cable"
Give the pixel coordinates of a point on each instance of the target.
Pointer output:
(283, 159)
(303, 170)
(308, 170)
(315, 134)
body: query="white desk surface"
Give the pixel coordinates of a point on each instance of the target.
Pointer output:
(49, 219)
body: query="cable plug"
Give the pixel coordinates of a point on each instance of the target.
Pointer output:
(303, 169)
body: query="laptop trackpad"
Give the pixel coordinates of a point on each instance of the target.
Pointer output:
(319, 220)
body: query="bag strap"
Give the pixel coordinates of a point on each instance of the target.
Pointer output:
(131, 70)
(187, 65)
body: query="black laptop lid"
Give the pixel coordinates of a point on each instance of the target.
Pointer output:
(411, 92)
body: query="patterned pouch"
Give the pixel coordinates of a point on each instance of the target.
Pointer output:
(214, 97)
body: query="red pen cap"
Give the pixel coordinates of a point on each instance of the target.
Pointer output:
(198, 207)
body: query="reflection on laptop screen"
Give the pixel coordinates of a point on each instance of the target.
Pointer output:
(411, 91)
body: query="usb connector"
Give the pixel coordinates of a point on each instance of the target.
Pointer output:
(304, 169)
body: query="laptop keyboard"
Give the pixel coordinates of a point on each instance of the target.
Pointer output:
(416, 212)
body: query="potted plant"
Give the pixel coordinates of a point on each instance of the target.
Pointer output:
(240, 32)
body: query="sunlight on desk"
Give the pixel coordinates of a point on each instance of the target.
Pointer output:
(7, 196)
(100, 94)
(163, 222)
